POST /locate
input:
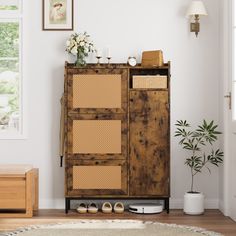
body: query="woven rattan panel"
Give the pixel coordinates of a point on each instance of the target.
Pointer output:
(96, 177)
(97, 91)
(148, 81)
(97, 136)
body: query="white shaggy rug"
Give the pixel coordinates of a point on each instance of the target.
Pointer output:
(110, 228)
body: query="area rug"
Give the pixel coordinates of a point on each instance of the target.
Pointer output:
(111, 228)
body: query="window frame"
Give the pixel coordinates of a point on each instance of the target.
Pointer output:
(17, 16)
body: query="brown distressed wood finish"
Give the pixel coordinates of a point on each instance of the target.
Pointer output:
(149, 143)
(145, 117)
(71, 67)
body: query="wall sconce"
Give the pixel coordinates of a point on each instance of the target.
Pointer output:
(196, 9)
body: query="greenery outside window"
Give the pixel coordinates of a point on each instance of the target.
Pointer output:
(10, 70)
(9, 5)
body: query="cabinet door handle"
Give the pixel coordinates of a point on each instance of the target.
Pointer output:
(229, 96)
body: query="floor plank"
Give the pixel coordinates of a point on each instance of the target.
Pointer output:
(211, 220)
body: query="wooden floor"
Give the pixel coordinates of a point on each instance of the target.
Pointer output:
(211, 220)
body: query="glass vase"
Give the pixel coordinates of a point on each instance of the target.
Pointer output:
(80, 61)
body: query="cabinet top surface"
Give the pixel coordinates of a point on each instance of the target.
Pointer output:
(14, 170)
(115, 66)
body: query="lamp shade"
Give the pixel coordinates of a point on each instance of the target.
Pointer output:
(196, 8)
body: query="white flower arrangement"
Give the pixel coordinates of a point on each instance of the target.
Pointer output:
(79, 43)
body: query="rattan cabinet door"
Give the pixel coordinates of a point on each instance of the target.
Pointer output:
(97, 136)
(96, 177)
(97, 91)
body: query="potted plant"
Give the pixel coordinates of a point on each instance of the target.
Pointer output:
(197, 142)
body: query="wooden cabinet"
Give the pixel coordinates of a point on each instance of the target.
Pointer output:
(18, 191)
(117, 138)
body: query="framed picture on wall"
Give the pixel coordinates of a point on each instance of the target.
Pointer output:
(58, 14)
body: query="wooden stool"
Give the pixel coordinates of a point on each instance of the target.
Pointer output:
(18, 190)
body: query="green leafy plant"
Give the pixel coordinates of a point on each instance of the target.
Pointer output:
(195, 141)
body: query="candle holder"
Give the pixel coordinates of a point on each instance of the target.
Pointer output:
(108, 60)
(98, 59)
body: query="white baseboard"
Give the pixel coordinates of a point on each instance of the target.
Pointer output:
(222, 208)
(52, 203)
(174, 203)
(179, 203)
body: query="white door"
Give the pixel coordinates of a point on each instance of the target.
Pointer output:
(230, 108)
(230, 104)
(231, 152)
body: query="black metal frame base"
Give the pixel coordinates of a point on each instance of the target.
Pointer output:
(166, 202)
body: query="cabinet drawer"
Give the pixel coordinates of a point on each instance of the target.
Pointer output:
(147, 81)
(148, 101)
(12, 193)
(93, 136)
(99, 90)
(97, 177)
(97, 136)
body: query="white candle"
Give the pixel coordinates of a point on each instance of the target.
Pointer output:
(99, 52)
(108, 52)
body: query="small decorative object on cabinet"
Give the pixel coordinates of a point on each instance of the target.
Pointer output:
(194, 141)
(152, 58)
(18, 190)
(117, 137)
(98, 55)
(132, 61)
(80, 45)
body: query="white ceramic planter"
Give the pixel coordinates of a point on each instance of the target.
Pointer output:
(194, 203)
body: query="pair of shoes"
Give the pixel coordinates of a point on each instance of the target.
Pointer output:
(91, 208)
(118, 207)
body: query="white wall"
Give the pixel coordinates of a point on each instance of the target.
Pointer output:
(129, 27)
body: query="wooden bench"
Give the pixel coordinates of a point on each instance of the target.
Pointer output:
(18, 190)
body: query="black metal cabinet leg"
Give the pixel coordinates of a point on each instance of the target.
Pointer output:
(67, 205)
(167, 205)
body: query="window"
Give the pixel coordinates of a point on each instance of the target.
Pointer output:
(10, 69)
